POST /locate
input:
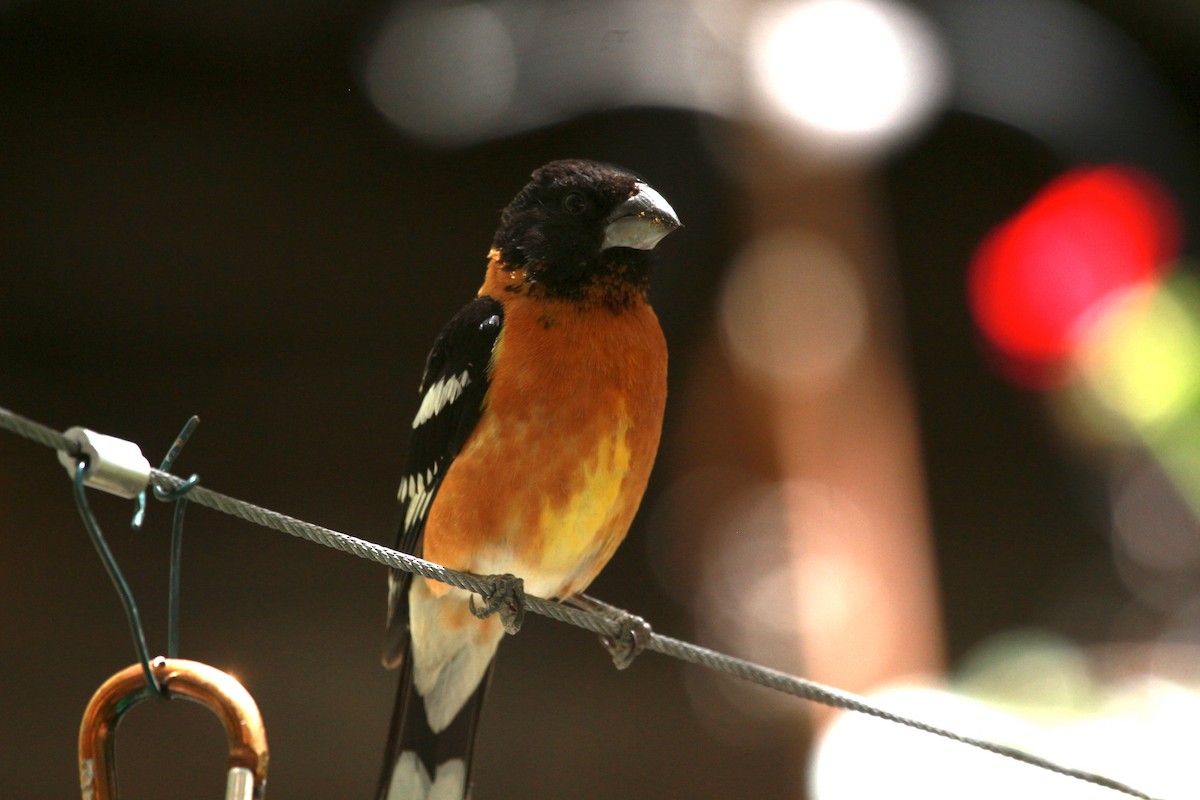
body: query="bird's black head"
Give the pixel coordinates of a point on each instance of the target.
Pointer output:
(577, 222)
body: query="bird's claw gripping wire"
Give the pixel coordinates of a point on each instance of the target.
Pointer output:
(632, 633)
(506, 598)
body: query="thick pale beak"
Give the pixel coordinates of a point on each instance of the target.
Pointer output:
(641, 221)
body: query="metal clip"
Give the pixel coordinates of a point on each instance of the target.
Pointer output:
(114, 465)
(220, 692)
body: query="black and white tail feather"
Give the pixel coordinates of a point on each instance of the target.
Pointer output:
(432, 760)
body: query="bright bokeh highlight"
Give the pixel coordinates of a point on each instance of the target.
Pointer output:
(793, 311)
(864, 757)
(1137, 730)
(1143, 360)
(443, 74)
(846, 73)
(1038, 283)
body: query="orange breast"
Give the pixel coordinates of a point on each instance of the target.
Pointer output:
(548, 483)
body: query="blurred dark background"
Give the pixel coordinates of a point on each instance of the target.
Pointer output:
(203, 211)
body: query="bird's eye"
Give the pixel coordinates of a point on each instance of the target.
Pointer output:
(574, 203)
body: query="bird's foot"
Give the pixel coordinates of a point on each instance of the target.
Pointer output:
(632, 633)
(506, 598)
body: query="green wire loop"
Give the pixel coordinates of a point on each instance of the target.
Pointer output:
(118, 580)
(177, 495)
(173, 588)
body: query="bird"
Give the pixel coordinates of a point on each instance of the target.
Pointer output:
(540, 414)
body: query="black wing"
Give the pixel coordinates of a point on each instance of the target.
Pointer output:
(453, 386)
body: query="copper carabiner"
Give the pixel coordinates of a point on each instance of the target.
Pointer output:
(220, 692)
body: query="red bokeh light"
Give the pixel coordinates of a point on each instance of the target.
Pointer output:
(1038, 279)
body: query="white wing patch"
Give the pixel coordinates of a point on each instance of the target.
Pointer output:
(417, 508)
(440, 395)
(417, 490)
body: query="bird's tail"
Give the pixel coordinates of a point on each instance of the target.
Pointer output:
(420, 764)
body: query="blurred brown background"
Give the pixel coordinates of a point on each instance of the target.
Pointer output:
(202, 211)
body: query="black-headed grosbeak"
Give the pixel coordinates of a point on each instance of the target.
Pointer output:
(541, 408)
